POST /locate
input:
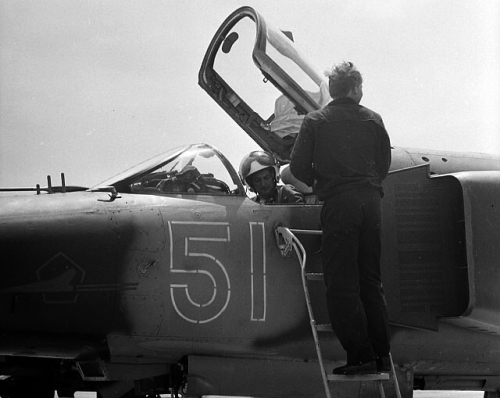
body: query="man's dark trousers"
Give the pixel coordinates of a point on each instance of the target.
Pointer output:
(351, 221)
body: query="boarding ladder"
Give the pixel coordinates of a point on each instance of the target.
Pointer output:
(287, 241)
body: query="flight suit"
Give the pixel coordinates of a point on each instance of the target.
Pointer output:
(284, 194)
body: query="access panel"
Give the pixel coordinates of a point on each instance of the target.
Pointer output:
(423, 247)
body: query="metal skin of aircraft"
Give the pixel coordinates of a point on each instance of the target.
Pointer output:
(168, 278)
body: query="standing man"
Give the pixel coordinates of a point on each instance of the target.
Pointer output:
(343, 150)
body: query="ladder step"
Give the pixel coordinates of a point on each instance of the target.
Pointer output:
(369, 377)
(307, 231)
(314, 276)
(324, 327)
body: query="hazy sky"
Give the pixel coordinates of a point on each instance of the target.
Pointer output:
(90, 88)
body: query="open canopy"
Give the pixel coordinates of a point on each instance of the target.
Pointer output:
(256, 74)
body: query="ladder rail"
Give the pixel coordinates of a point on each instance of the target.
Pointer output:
(302, 256)
(395, 378)
(292, 242)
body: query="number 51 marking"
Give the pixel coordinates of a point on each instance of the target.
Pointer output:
(193, 267)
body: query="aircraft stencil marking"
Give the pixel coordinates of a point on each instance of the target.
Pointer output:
(188, 308)
(57, 265)
(258, 271)
(58, 282)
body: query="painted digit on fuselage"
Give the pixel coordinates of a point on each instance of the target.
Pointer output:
(258, 270)
(200, 287)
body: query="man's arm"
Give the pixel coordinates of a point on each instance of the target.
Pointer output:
(384, 161)
(301, 164)
(290, 194)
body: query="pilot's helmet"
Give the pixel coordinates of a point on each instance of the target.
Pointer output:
(256, 161)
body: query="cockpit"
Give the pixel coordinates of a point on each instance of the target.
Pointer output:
(197, 169)
(268, 98)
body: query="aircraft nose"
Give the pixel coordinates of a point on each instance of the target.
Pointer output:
(58, 264)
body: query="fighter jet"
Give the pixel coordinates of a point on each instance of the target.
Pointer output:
(170, 279)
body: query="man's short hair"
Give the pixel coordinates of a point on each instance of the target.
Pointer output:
(342, 79)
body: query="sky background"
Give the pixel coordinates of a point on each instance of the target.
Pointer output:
(91, 88)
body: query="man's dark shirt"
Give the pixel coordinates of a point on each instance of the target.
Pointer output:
(340, 147)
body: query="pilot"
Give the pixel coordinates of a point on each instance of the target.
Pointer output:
(259, 170)
(344, 151)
